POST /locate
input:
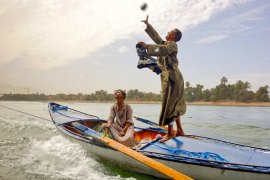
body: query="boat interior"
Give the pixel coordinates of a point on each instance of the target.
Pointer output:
(140, 134)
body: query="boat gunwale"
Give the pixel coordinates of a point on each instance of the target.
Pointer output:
(236, 145)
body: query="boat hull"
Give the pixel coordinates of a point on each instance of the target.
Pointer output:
(233, 161)
(195, 171)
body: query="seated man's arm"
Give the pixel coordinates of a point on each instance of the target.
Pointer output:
(125, 128)
(129, 121)
(110, 118)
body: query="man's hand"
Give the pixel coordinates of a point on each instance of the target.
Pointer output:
(142, 44)
(146, 20)
(122, 133)
(106, 125)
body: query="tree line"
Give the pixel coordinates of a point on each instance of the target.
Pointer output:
(240, 92)
(100, 96)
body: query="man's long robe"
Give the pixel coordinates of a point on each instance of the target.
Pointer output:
(172, 82)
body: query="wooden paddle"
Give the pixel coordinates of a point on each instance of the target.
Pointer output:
(134, 154)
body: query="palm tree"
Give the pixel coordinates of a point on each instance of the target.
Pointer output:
(224, 80)
(187, 84)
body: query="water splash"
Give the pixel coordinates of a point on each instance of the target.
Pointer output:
(58, 158)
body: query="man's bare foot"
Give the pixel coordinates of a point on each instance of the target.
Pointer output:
(179, 133)
(166, 138)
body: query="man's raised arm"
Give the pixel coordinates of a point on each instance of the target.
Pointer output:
(152, 32)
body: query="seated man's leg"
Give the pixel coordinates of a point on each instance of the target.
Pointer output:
(127, 140)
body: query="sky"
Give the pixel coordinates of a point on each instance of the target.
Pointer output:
(82, 46)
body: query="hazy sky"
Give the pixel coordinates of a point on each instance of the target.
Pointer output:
(73, 46)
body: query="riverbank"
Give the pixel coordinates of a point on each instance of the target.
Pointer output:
(256, 104)
(202, 103)
(196, 103)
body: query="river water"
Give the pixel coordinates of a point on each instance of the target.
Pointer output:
(32, 148)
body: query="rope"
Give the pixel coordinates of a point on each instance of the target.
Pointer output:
(49, 119)
(201, 155)
(26, 113)
(36, 116)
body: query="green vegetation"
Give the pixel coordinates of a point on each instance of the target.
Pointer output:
(239, 92)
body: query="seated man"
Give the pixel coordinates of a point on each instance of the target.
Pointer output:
(120, 122)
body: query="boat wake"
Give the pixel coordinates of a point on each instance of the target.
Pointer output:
(33, 149)
(58, 158)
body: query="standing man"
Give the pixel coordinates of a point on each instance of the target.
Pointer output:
(172, 82)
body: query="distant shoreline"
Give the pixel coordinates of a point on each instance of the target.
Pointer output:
(250, 104)
(201, 103)
(195, 103)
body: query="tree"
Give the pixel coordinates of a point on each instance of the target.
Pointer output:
(102, 95)
(262, 94)
(91, 97)
(223, 80)
(135, 94)
(206, 95)
(213, 96)
(193, 93)
(189, 94)
(187, 84)
(224, 92)
(198, 92)
(241, 92)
